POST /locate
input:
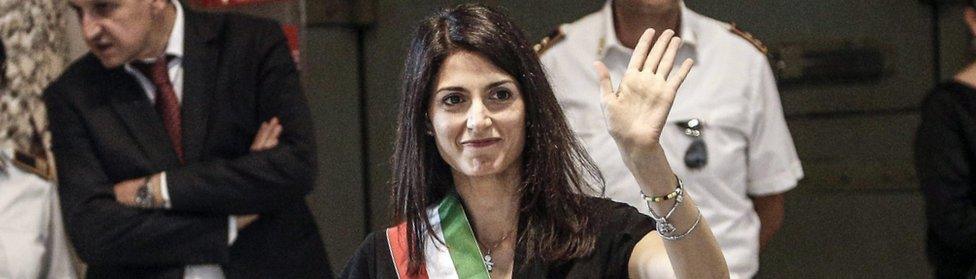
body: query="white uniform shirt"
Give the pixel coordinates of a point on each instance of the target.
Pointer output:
(32, 238)
(731, 89)
(174, 48)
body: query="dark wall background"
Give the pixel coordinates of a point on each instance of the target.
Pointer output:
(858, 213)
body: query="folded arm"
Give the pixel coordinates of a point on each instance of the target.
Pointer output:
(105, 231)
(263, 181)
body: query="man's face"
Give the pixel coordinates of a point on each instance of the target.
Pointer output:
(118, 31)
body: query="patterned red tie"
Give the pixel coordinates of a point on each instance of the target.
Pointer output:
(166, 103)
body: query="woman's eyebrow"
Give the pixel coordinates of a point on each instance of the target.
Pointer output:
(499, 83)
(451, 88)
(462, 89)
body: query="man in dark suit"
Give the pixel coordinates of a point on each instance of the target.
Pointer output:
(165, 167)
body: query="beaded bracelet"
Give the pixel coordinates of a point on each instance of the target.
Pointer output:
(674, 194)
(664, 226)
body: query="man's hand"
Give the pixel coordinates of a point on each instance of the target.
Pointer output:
(771, 210)
(266, 138)
(126, 191)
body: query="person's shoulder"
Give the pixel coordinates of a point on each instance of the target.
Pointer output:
(606, 204)
(616, 218)
(945, 105)
(952, 87)
(249, 21)
(949, 93)
(80, 73)
(82, 67)
(569, 36)
(728, 36)
(373, 244)
(363, 263)
(608, 207)
(549, 41)
(237, 24)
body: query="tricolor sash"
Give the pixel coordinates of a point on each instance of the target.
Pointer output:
(460, 258)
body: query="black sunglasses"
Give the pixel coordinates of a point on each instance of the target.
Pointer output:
(697, 154)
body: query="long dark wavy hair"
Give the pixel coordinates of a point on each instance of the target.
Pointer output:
(555, 221)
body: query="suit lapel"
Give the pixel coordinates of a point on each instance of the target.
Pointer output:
(200, 60)
(143, 123)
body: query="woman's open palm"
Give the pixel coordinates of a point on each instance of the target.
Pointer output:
(636, 112)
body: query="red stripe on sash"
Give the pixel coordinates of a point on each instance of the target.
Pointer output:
(397, 239)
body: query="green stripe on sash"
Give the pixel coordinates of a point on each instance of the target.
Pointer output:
(460, 239)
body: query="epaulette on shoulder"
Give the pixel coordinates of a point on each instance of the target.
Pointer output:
(749, 38)
(550, 40)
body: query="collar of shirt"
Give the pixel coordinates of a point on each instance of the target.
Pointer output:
(174, 46)
(609, 41)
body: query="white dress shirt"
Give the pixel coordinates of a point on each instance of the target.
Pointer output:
(174, 48)
(731, 89)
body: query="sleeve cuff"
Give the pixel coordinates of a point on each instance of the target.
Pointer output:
(231, 230)
(781, 183)
(164, 189)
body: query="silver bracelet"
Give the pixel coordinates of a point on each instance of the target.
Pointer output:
(665, 227)
(679, 237)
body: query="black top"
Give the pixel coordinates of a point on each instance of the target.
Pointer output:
(619, 232)
(945, 147)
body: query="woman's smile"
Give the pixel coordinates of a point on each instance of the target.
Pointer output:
(480, 143)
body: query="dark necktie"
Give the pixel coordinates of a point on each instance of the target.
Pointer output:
(166, 103)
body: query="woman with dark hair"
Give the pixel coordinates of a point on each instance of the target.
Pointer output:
(945, 158)
(490, 182)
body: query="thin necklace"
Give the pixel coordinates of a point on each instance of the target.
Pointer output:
(488, 260)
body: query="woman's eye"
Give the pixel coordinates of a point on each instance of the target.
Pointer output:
(452, 100)
(503, 94)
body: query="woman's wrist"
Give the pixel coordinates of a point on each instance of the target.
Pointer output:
(651, 169)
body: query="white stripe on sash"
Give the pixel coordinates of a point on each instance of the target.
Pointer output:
(439, 263)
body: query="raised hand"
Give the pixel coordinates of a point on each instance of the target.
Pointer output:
(637, 111)
(267, 136)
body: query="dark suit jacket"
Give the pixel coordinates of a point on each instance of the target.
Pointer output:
(237, 73)
(945, 160)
